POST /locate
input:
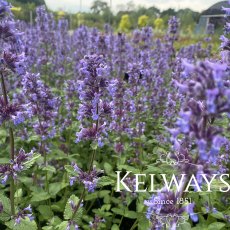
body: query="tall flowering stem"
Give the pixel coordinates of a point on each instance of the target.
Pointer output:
(92, 112)
(11, 135)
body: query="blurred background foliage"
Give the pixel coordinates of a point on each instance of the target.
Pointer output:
(127, 18)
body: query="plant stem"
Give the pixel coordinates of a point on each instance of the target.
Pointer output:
(11, 135)
(134, 225)
(90, 168)
(91, 161)
(46, 174)
(83, 193)
(121, 221)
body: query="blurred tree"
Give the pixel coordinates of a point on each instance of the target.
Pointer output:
(125, 24)
(99, 7)
(60, 14)
(153, 11)
(169, 12)
(143, 20)
(107, 16)
(159, 24)
(188, 18)
(35, 2)
(80, 19)
(26, 6)
(166, 14)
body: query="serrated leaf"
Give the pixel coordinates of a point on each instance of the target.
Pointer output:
(39, 196)
(18, 193)
(100, 194)
(115, 227)
(34, 138)
(68, 213)
(128, 168)
(143, 222)
(29, 163)
(6, 214)
(218, 215)
(130, 214)
(25, 224)
(216, 226)
(108, 168)
(70, 169)
(56, 187)
(118, 211)
(63, 225)
(48, 228)
(184, 226)
(49, 168)
(45, 211)
(91, 196)
(94, 145)
(4, 160)
(104, 181)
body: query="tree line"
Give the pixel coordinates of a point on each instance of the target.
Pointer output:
(128, 16)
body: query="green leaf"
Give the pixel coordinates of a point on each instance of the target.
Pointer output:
(143, 223)
(218, 215)
(130, 214)
(34, 138)
(49, 168)
(103, 193)
(91, 196)
(100, 194)
(128, 168)
(48, 228)
(115, 227)
(29, 163)
(4, 160)
(56, 187)
(104, 181)
(45, 211)
(68, 213)
(6, 214)
(118, 211)
(39, 196)
(18, 193)
(94, 145)
(70, 169)
(216, 226)
(108, 168)
(25, 224)
(26, 180)
(62, 226)
(184, 226)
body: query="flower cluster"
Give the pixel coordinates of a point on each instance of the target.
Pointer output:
(225, 42)
(72, 223)
(159, 209)
(93, 105)
(95, 224)
(13, 62)
(4, 9)
(173, 25)
(89, 179)
(210, 100)
(41, 104)
(8, 111)
(22, 214)
(198, 136)
(16, 166)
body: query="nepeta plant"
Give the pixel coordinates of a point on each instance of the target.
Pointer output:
(93, 105)
(105, 102)
(12, 113)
